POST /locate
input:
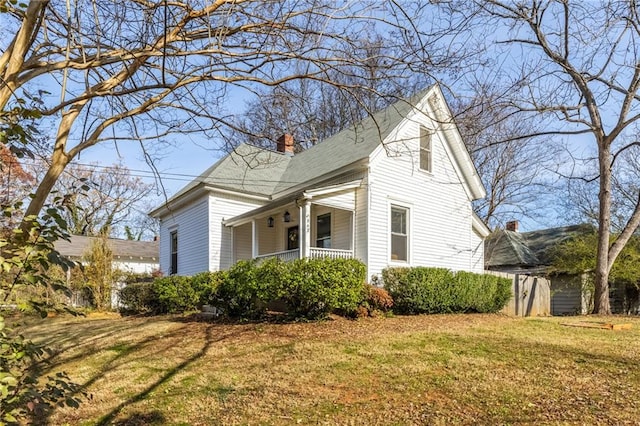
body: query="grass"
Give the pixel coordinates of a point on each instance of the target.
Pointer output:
(441, 369)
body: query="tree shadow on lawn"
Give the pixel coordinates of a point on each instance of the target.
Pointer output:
(153, 417)
(208, 342)
(161, 344)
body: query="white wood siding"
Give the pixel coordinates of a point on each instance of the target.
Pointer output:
(440, 218)
(221, 207)
(192, 227)
(242, 242)
(270, 239)
(341, 229)
(135, 267)
(477, 252)
(343, 200)
(362, 222)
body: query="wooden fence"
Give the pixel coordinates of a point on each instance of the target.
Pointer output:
(531, 295)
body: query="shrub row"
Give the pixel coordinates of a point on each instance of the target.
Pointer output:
(313, 288)
(436, 290)
(307, 288)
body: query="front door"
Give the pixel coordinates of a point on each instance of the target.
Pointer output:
(292, 238)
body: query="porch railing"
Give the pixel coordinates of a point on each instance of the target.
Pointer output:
(315, 253)
(287, 255)
(318, 253)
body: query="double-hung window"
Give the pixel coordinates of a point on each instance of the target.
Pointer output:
(399, 233)
(425, 149)
(323, 231)
(174, 253)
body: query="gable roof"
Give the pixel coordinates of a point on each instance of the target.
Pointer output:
(527, 249)
(269, 174)
(346, 147)
(78, 245)
(247, 168)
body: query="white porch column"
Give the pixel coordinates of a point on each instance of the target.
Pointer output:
(305, 229)
(353, 233)
(254, 239)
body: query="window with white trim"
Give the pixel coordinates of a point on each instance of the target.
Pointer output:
(399, 233)
(425, 149)
(323, 231)
(173, 269)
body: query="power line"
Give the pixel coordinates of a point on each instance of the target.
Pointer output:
(180, 177)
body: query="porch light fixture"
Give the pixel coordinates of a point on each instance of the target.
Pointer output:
(270, 222)
(286, 217)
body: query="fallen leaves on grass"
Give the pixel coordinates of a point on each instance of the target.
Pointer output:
(441, 369)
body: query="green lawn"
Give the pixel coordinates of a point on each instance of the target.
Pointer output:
(441, 369)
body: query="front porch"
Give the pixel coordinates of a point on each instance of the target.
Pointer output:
(316, 225)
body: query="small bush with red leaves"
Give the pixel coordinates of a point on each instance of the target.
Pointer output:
(378, 298)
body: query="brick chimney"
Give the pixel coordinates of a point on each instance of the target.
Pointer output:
(512, 225)
(285, 144)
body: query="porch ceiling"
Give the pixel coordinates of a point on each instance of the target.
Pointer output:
(321, 194)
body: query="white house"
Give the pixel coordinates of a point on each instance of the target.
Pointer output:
(394, 190)
(140, 257)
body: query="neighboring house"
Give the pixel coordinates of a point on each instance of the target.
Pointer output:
(140, 257)
(394, 190)
(128, 256)
(529, 253)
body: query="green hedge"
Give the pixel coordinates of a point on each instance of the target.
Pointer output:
(308, 288)
(436, 290)
(242, 294)
(170, 295)
(138, 298)
(312, 288)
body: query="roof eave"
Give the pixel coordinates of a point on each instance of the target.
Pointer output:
(478, 224)
(356, 165)
(177, 202)
(300, 195)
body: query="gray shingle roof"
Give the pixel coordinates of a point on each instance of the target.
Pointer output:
(247, 168)
(260, 171)
(123, 249)
(346, 147)
(508, 248)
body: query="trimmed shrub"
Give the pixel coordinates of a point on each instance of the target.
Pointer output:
(206, 286)
(437, 290)
(138, 297)
(313, 288)
(174, 295)
(170, 295)
(242, 294)
(419, 290)
(482, 292)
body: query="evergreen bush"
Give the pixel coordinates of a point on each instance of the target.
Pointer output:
(138, 298)
(436, 290)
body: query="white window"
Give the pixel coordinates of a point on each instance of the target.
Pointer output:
(425, 149)
(174, 253)
(399, 234)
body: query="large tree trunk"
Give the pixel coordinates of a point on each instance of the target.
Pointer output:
(601, 296)
(59, 160)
